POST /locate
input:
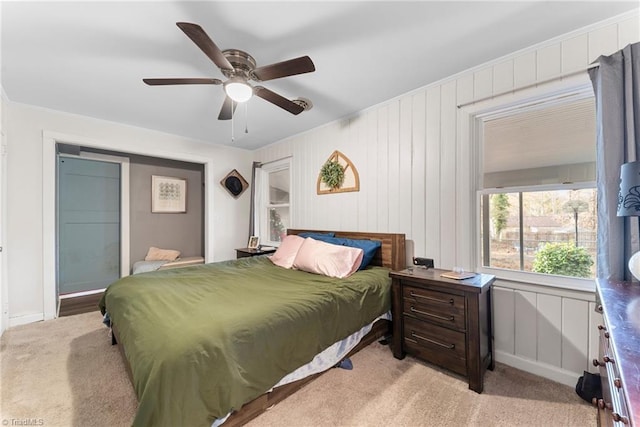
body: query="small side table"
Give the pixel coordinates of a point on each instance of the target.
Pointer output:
(444, 321)
(249, 252)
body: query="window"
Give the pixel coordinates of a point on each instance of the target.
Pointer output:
(274, 213)
(538, 202)
(541, 231)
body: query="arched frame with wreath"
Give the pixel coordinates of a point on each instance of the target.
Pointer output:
(351, 181)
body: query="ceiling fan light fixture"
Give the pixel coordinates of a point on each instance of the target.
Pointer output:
(238, 90)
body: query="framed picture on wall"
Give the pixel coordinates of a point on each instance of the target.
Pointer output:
(254, 242)
(168, 195)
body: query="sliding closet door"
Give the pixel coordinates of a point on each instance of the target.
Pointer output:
(88, 208)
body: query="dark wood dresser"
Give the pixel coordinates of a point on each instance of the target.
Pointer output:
(619, 355)
(444, 321)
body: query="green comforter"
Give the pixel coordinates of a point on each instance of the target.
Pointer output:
(204, 340)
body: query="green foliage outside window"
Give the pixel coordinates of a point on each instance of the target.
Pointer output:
(563, 259)
(500, 212)
(277, 229)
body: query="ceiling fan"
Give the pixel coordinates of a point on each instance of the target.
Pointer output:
(239, 67)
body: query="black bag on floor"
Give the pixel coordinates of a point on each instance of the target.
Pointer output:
(589, 386)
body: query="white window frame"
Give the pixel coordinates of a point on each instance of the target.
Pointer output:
(495, 111)
(265, 170)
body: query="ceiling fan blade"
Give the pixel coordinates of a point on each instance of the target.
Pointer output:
(278, 100)
(300, 65)
(180, 81)
(228, 108)
(202, 40)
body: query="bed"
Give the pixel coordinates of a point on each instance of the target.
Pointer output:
(267, 323)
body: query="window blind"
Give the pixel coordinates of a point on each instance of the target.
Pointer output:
(552, 144)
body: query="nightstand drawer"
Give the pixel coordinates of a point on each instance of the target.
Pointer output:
(435, 344)
(450, 317)
(440, 302)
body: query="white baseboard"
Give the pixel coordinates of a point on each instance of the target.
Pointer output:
(544, 370)
(27, 318)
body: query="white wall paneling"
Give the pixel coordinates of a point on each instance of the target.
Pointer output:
(382, 171)
(575, 346)
(483, 83)
(405, 152)
(418, 197)
(575, 53)
(504, 326)
(417, 175)
(502, 78)
(371, 146)
(549, 60)
(603, 41)
(448, 177)
(524, 69)
(393, 165)
(433, 236)
(361, 145)
(545, 331)
(548, 334)
(628, 31)
(465, 189)
(465, 88)
(526, 325)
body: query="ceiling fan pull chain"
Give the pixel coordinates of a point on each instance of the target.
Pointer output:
(246, 117)
(232, 138)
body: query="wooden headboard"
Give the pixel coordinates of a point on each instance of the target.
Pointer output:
(391, 254)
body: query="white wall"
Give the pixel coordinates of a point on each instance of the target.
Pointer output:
(4, 289)
(4, 311)
(416, 165)
(30, 228)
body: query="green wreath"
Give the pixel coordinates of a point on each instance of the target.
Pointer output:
(332, 174)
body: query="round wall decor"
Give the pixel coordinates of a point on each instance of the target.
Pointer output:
(234, 183)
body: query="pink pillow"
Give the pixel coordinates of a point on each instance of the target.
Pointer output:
(330, 260)
(287, 251)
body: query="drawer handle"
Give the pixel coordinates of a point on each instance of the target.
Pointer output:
(617, 382)
(602, 328)
(424, 313)
(441, 301)
(597, 363)
(447, 346)
(607, 359)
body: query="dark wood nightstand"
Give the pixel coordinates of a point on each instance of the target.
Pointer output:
(444, 321)
(248, 252)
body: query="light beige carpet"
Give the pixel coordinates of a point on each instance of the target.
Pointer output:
(65, 373)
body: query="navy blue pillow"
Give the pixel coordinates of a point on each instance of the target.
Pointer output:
(316, 236)
(369, 247)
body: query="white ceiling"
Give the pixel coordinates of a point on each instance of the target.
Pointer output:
(89, 58)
